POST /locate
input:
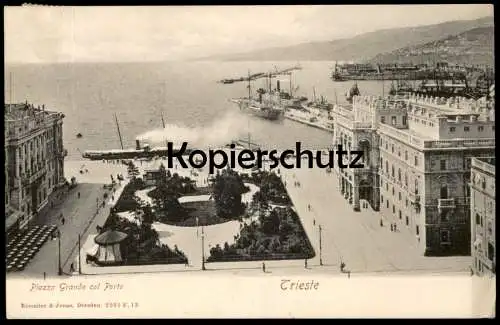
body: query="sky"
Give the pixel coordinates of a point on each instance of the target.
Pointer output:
(121, 34)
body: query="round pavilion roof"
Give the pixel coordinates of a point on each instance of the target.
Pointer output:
(110, 237)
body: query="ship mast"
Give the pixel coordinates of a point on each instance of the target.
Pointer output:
(249, 91)
(10, 87)
(163, 122)
(291, 84)
(118, 128)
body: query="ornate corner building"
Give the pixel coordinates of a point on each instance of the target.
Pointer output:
(418, 154)
(482, 214)
(34, 161)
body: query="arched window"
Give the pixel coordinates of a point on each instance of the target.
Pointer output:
(399, 174)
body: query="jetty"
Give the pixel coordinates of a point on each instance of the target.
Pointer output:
(319, 123)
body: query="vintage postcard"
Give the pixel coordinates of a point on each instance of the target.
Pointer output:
(250, 161)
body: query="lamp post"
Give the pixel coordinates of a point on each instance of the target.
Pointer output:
(79, 254)
(60, 271)
(202, 249)
(320, 255)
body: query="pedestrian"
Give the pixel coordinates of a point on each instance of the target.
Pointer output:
(342, 266)
(314, 222)
(62, 221)
(305, 263)
(44, 275)
(348, 274)
(381, 223)
(395, 227)
(72, 268)
(392, 228)
(263, 267)
(78, 194)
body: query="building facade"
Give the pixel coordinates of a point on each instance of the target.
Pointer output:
(482, 214)
(34, 165)
(418, 158)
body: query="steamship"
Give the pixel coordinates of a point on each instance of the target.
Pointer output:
(267, 104)
(144, 151)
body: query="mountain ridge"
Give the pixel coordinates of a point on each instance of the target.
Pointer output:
(361, 47)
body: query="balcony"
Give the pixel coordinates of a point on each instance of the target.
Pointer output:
(29, 178)
(446, 204)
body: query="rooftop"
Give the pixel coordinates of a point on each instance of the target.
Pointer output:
(20, 111)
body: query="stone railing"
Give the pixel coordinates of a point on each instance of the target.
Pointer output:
(469, 143)
(446, 203)
(28, 178)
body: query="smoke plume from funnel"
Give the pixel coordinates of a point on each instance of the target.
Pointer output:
(222, 131)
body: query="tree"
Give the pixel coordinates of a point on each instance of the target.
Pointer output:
(270, 224)
(228, 189)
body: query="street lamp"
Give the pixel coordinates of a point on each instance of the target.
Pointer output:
(60, 271)
(202, 249)
(320, 255)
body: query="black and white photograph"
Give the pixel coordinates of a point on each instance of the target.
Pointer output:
(287, 144)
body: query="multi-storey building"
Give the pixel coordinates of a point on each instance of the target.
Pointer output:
(418, 156)
(482, 211)
(34, 165)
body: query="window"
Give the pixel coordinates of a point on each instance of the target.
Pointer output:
(491, 251)
(417, 230)
(392, 148)
(393, 120)
(493, 128)
(406, 202)
(381, 198)
(416, 161)
(400, 215)
(443, 164)
(382, 119)
(445, 236)
(444, 191)
(406, 155)
(404, 120)
(399, 174)
(480, 128)
(466, 129)
(387, 204)
(407, 220)
(399, 196)
(406, 179)
(386, 167)
(393, 208)
(386, 186)
(416, 186)
(452, 129)
(392, 171)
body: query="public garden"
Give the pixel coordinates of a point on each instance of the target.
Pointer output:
(252, 215)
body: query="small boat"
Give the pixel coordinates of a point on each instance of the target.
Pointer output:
(79, 135)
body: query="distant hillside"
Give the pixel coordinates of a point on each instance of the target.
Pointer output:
(474, 46)
(361, 47)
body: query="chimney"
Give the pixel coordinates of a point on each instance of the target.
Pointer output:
(137, 144)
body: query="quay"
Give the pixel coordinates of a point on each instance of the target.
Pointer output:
(317, 125)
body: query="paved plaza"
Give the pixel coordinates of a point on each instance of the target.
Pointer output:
(354, 238)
